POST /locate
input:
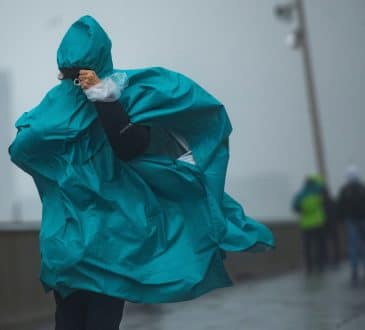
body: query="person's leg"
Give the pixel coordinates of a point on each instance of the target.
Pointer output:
(352, 249)
(104, 312)
(71, 311)
(320, 248)
(324, 253)
(316, 248)
(306, 235)
(361, 245)
(335, 244)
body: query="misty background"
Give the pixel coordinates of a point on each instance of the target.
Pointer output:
(233, 48)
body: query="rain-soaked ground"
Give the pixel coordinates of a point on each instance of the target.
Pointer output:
(288, 302)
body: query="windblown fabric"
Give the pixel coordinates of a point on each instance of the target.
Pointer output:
(149, 230)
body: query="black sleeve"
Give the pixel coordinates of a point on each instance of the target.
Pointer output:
(127, 140)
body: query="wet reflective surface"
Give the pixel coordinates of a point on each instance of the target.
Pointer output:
(289, 302)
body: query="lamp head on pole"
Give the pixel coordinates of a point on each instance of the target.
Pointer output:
(285, 12)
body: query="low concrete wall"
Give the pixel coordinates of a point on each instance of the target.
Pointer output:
(286, 256)
(22, 299)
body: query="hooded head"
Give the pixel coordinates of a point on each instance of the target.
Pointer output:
(86, 46)
(352, 173)
(315, 179)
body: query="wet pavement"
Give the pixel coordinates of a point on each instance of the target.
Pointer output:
(288, 302)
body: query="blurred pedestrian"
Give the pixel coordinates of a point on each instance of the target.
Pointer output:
(351, 208)
(309, 203)
(332, 249)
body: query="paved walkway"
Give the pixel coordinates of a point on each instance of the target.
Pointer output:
(289, 302)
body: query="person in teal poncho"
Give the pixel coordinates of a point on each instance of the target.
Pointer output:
(130, 167)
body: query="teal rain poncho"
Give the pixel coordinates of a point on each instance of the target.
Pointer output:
(149, 230)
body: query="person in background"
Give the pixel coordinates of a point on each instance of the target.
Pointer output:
(309, 204)
(351, 208)
(332, 250)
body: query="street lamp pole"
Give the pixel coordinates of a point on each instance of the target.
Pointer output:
(299, 39)
(311, 92)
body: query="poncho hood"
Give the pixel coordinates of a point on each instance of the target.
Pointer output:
(86, 45)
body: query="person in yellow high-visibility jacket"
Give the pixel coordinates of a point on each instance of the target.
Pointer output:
(309, 202)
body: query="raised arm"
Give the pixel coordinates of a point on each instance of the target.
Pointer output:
(127, 140)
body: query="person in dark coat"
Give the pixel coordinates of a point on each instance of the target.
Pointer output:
(332, 251)
(351, 208)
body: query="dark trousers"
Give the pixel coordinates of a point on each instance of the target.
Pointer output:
(314, 249)
(355, 244)
(333, 244)
(85, 310)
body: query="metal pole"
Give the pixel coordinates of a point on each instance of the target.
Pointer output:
(311, 92)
